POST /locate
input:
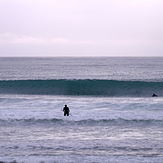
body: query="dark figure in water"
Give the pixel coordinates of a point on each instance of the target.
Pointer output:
(66, 110)
(154, 95)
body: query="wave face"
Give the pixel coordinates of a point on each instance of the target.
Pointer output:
(110, 88)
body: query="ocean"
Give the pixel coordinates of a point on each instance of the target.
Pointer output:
(113, 116)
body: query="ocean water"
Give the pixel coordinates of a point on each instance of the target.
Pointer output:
(113, 118)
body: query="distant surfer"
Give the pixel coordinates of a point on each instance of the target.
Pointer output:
(66, 110)
(154, 95)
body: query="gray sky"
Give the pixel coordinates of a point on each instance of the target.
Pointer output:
(81, 27)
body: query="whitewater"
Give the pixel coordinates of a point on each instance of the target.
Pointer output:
(113, 116)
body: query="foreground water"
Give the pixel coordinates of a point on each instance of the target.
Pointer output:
(117, 123)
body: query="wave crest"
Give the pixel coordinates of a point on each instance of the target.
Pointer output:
(87, 122)
(109, 88)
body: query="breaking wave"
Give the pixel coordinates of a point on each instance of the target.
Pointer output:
(87, 122)
(108, 88)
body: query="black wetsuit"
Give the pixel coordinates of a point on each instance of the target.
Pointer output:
(66, 111)
(154, 95)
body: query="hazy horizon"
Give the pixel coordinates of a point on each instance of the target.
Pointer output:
(82, 28)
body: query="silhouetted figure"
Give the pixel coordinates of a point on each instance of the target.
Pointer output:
(154, 95)
(66, 110)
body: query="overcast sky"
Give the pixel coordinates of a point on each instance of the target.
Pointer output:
(81, 28)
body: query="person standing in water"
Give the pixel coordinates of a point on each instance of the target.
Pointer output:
(66, 110)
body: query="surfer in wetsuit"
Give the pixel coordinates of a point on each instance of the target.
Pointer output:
(154, 95)
(66, 110)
